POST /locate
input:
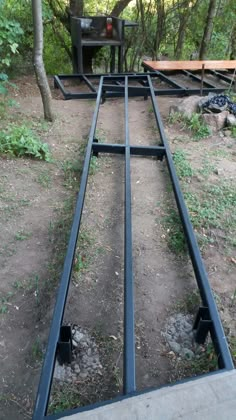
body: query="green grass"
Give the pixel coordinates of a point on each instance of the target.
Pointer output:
(194, 124)
(64, 398)
(44, 179)
(183, 167)
(210, 207)
(22, 235)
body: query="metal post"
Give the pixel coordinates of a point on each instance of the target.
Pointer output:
(202, 78)
(129, 329)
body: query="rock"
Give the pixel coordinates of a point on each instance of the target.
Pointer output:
(219, 171)
(78, 336)
(77, 368)
(175, 346)
(231, 120)
(215, 121)
(187, 107)
(227, 133)
(75, 344)
(187, 353)
(83, 375)
(89, 352)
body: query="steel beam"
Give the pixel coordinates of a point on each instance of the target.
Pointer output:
(219, 338)
(129, 383)
(41, 403)
(198, 79)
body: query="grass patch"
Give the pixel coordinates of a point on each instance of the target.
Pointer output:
(183, 167)
(64, 398)
(194, 124)
(211, 207)
(22, 235)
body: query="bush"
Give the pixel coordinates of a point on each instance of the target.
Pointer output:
(22, 141)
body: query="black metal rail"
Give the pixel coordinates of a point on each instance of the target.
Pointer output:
(113, 87)
(207, 319)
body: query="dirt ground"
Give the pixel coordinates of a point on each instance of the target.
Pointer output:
(33, 198)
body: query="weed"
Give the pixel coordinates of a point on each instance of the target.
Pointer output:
(207, 167)
(174, 231)
(183, 167)
(232, 346)
(175, 117)
(64, 398)
(194, 123)
(21, 235)
(44, 179)
(37, 351)
(21, 141)
(205, 362)
(4, 303)
(94, 163)
(233, 132)
(199, 129)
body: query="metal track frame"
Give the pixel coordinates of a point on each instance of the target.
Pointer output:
(207, 319)
(114, 88)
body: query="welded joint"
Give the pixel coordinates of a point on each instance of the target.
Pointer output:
(202, 325)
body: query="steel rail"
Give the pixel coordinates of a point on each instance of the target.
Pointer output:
(42, 399)
(219, 338)
(129, 384)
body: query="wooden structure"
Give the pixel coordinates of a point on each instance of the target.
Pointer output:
(189, 65)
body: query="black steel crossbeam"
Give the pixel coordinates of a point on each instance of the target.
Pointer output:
(168, 80)
(198, 79)
(219, 338)
(50, 356)
(129, 384)
(222, 76)
(89, 84)
(158, 151)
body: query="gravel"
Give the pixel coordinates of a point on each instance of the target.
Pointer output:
(179, 336)
(85, 359)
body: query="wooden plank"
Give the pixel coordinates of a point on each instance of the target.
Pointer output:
(189, 65)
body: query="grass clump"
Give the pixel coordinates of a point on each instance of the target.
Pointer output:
(183, 167)
(20, 140)
(195, 124)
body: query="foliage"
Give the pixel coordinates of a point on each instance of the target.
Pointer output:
(21, 141)
(183, 167)
(194, 123)
(165, 29)
(10, 32)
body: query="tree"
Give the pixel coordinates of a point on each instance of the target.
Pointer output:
(208, 29)
(38, 60)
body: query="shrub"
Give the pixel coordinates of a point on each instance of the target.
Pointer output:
(22, 141)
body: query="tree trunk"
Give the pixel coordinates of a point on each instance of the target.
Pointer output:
(41, 77)
(208, 29)
(119, 7)
(183, 20)
(160, 28)
(233, 44)
(77, 7)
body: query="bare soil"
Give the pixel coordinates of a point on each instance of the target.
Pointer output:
(34, 193)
